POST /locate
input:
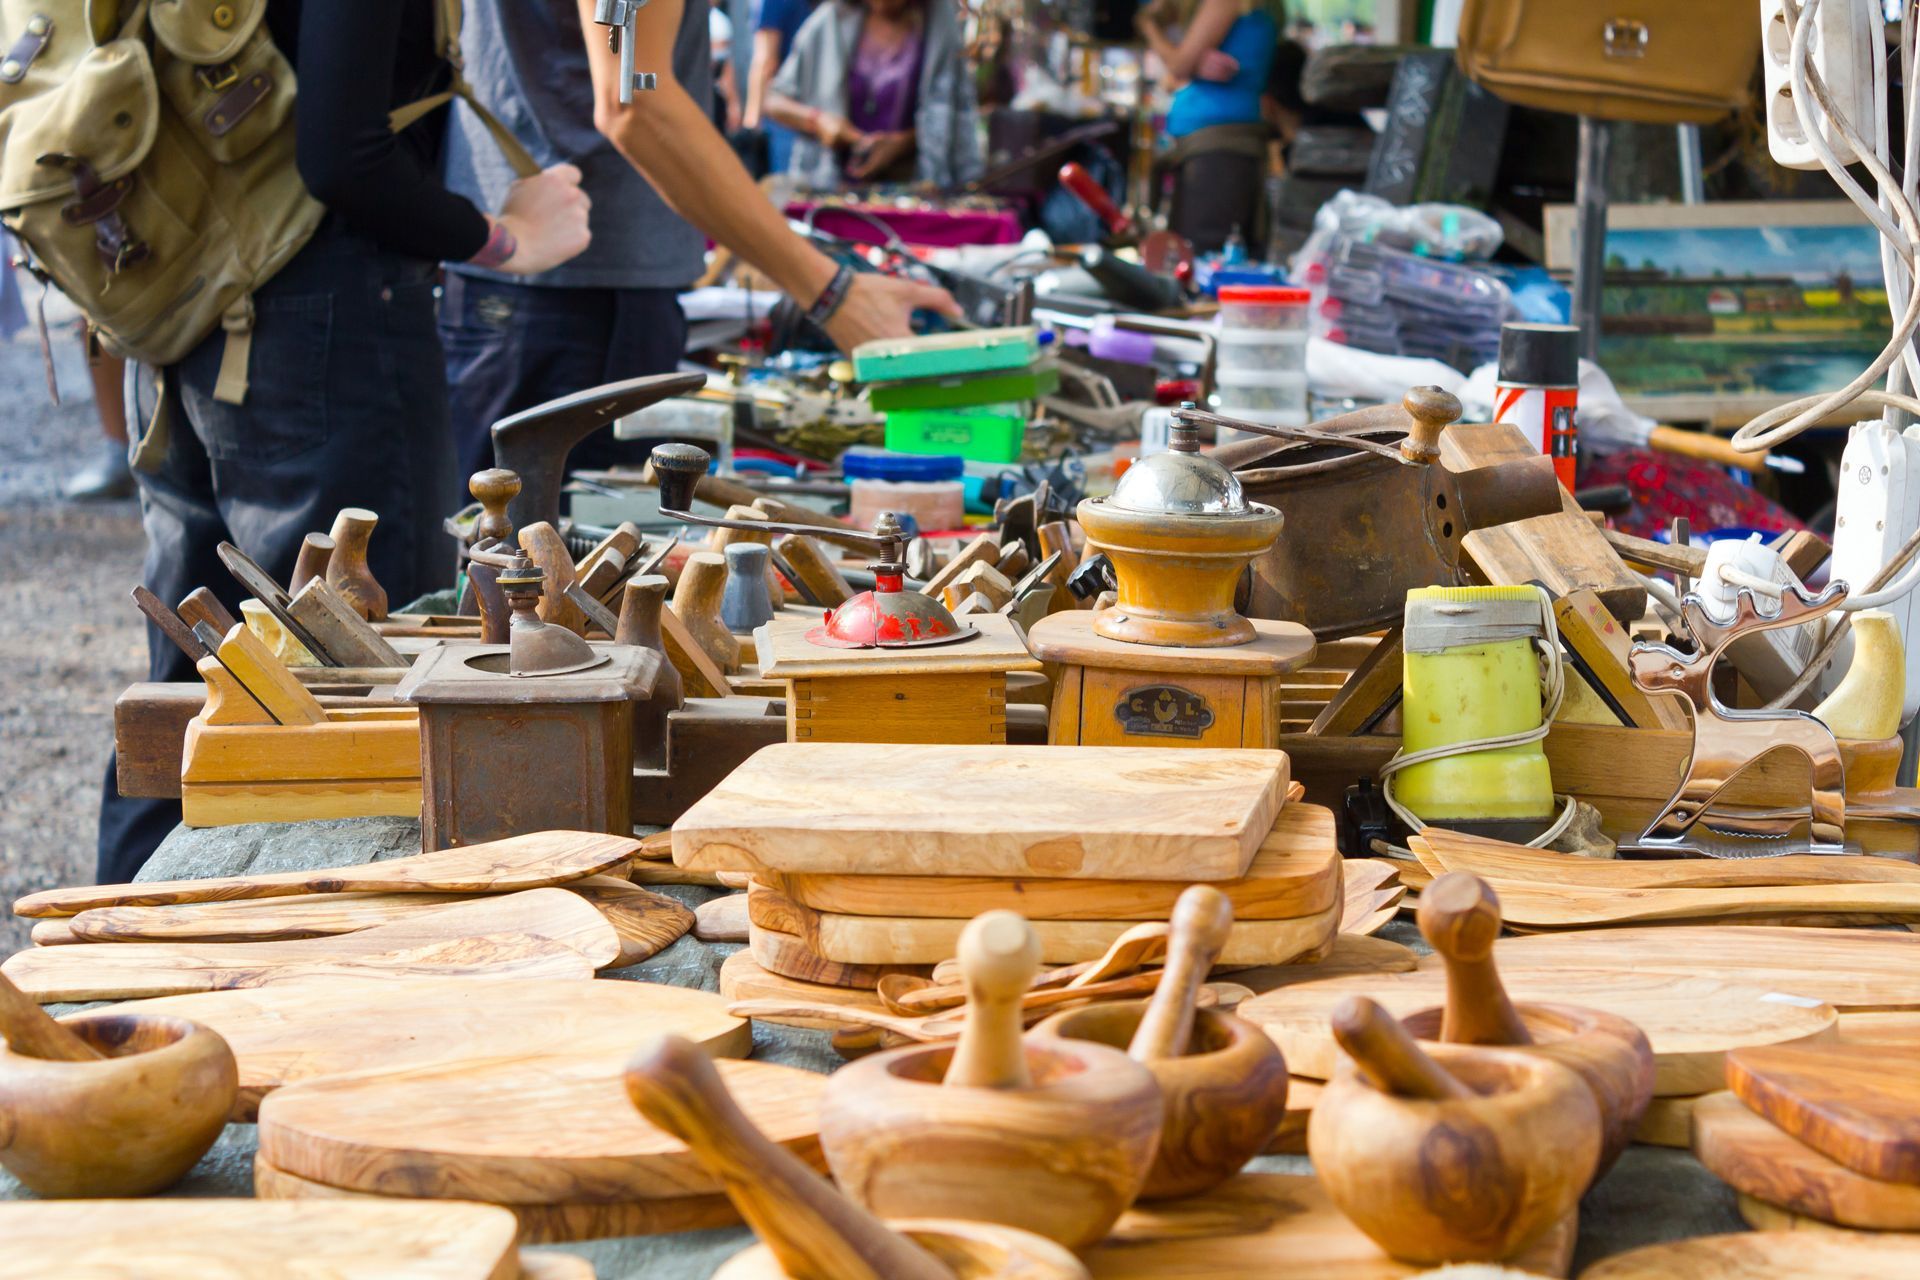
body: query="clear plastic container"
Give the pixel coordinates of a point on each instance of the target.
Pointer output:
(930, 490)
(1267, 350)
(1259, 306)
(1261, 391)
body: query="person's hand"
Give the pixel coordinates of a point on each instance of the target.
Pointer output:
(882, 307)
(836, 131)
(547, 216)
(734, 120)
(1217, 66)
(878, 152)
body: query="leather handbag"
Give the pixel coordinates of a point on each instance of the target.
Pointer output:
(1650, 61)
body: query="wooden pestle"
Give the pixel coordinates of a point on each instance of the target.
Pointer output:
(1202, 919)
(316, 553)
(544, 546)
(1390, 1059)
(696, 601)
(347, 569)
(32, 1032)
(999, 954)
(1460, 919)
(493, 489)
(199, 605)
(815, 1232)
(811, 564)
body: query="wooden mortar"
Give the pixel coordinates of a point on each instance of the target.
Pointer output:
(116, 1104)
(1223, 1082)
(1050, 1136)
(1466, 1159)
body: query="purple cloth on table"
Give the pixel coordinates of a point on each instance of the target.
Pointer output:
(937, 227)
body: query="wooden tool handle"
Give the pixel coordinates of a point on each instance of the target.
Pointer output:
(815, 1232)
(30, 1030)
(316, 553)
(999, 954)
(199, 605)
(1460, 919)
(1706, 447)
(348, 571)
(546, 548)
(810, 563)
(1388, 1056)
(1429, 412)
(493, 489)
(640, 607)
(170, 623)
(1202, 919)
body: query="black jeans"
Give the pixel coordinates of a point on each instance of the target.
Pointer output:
(513, 346)
(346, 407)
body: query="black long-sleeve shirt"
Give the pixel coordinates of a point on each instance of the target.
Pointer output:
(356, 60)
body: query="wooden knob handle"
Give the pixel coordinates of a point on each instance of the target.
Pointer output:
(1460, 919)
(316, 553)
(1202, 919)
(814, 1231)
(1429, 412)
(32, 1031)
(1387, 1056)
(493, 489)
(999, 954)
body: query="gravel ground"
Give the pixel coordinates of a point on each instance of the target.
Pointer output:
(72, 640)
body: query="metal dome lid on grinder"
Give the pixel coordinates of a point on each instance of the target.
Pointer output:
(891, 616)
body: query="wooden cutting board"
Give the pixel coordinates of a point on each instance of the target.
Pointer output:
(722, 919)
(1561, 907)
(646, 922)
(1082, 813)
(499, 866)
(1691, 1022)
(891, 940)
(1754, 1255)
(543, 1131)
(1350, 954)
(1749, 1154)
(302, 1029)
(1500, 862)
(1296, 872)
(1667, 1122)
(1857, 1104)
(1851, 969)
(1256, 1226)
(742, 978)
(789, 956)
(537, 1223)
(542, 933)
(189, 1239)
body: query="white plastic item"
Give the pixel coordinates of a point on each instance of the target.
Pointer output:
(1770, 660)
(1878, 509)
(1846, 33)
(1249, 306)
(935, 505)
(1266, 350)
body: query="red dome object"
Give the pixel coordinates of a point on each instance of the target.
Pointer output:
(888, 617)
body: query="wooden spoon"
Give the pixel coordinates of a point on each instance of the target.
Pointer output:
(30, 1030)
(1202, 918)
(814, 1231)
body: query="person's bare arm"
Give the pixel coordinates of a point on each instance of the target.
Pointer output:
(666, 136)
(766, 61)
(1209, 26)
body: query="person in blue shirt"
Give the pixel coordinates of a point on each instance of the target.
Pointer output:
(778, 23)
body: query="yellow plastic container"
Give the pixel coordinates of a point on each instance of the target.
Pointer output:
(1471, 672)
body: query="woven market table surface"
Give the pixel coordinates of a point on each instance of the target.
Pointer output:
(1652, 1194)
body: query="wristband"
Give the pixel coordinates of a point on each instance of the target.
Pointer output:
(831, 297)
(499, 247)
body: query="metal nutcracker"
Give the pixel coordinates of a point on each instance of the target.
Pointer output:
(617, 17)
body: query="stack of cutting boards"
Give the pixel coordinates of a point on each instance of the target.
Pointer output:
(1827, 1133)
(866, 860)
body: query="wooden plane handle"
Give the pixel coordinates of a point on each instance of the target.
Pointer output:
(1460, 919)
(1202, 919)
(32, 1032)
(316, 553)
(1387, 1056)
(999, 954)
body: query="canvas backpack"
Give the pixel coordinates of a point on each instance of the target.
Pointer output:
(147, 163)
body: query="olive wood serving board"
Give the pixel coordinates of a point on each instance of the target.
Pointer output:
(742, 978)
(1762, 1255)
(1256, 1226)
(789, 956)
(540, 1131)
(1690, 1022)
(722, 919)
(286, 1032)
(1082, 813)
(530, 861)
(536, 1223)
(891, 940)
(1560, 907)
(541, 933)
(646, 922)
(1850, 969)
(1748, 1153)
(188, 1239)
(1296, 872)
(1667, 1122)
(1351, 953)
(1501, 862)
(551, 1264)
(1858, 1104)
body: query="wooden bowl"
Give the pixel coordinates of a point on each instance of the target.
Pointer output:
(973, 1250)
(1221, 1102)
(1603, 1049)
(127, 1125)
(1062, 1159)
(1458, 1179)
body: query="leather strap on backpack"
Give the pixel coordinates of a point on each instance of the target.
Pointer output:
(446, 27)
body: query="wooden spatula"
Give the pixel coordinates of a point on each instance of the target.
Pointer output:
(1442, 851)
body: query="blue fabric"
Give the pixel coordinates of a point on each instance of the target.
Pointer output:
(1202, 104)
(786, 17)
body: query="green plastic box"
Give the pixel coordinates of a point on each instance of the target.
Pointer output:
(965, 392)
(941, 355)
(991, 433)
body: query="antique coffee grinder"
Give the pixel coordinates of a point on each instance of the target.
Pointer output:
(532, 735)
(888, 665)
(1171, 661)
